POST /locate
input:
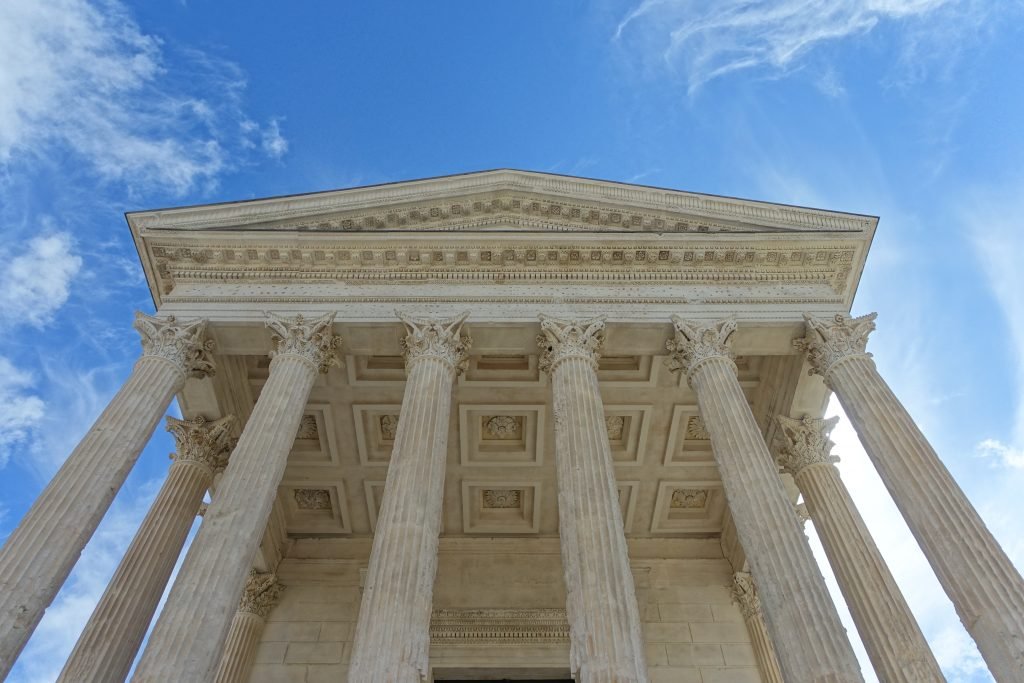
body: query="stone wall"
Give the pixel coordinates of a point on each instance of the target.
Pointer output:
(693, 631)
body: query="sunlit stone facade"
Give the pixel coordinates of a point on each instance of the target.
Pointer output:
(506, 425)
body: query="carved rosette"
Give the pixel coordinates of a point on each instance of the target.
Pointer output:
(439, 339)
(206, 443)
(807, 443)
(181, 343)
(310, 340)
(562, 339)
(260, 594)
(829, 342)
(696, 342)
(744, 593)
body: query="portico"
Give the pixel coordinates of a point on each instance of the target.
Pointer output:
(514, 424)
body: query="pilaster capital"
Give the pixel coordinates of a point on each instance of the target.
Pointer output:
(744, 593)
(802, 513)
(807, 443)
(260, 594)
(182, 343)
(696, 342)
(829, 341)
(311, 340)
(562, 339)
(441, 339)
(207, 443)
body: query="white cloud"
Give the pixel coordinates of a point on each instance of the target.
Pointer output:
(35, 282)
(1006, 455)
(712, 38)
(22, 410)
(83, 76)
(272, 142)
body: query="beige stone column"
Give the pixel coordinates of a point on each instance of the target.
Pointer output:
(189, 635)
(258, 598)
(107, 646)
(979, 578)
(392, 637)
(893, 640)
(797, 607)
(744, 592)
(40, 552)
(606, 645)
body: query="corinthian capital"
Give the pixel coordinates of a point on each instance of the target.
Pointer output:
(206, 443)
(260, 594)
(696, 342)
(830, 341)
(181, 343)
(431, 338)
(806, 443)
(561, 339)
(311, 340)
(744, 593)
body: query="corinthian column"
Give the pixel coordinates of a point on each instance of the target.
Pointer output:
(798, 609)
(392, 637)
(895, 644)
(108, 645)
(189, 635)
(40, 552)
(979, 578)
(604, 622)
(744, 592)
(258, 598)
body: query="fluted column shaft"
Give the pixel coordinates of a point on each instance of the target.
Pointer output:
(798, 609)
(260, 595)
(107, 646)
(392, 638)
(986, 589)
(40, 553)
(745, 594)
(894, 642)
(604, 620)
(189, 635)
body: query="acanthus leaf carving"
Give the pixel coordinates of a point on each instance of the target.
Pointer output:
(562, 339)
(441, 339)
(744, 593)
(311, 340)
(828, 342)
(203, 442)
(696, 342)
(807, 443)
(182, 343)
(260, 594)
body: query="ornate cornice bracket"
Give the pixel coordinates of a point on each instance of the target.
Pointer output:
(807, 443)
(828, 342)
(744, 593)
(696, 342)
(432, 338)
(206, 443)
(261, 593)
(181, 343)
(310, 340)
(563, 339)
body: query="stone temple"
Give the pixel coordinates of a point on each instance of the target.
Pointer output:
(505, 426)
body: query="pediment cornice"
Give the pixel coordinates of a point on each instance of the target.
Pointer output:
(503, 200)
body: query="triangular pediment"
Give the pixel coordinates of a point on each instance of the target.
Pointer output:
(502, 201)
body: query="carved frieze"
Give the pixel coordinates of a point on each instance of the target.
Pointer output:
(498, 626)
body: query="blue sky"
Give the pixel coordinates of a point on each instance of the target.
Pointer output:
(906, 109)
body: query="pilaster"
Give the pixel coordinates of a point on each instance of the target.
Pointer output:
(187, 641)
(392, 638)
(798, 609)
(40, 552)
(259, 596)
(744, 592)
(986, 589)
(606, 645)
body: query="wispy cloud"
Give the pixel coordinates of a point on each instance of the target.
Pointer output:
(22, 410)
(1007, 456)
(34, 285)
(708, 39)
(83, 76)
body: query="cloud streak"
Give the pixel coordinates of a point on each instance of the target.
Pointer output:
(84, 77)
